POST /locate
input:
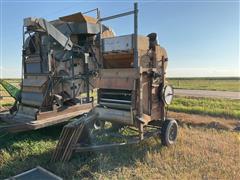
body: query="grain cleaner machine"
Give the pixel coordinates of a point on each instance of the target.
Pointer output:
(60, 63)
(132, 93)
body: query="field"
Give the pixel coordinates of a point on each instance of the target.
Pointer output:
(207, 106)
(199, 154)
(220, 84)
(207, 148)
(5, 98)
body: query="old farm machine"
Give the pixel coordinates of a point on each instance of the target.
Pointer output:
(65, 60)
(131, 92)
(60, 64)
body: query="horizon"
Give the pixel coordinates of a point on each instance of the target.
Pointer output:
(198, 44)
(209, 78)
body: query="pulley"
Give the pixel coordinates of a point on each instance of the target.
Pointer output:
(167, 94)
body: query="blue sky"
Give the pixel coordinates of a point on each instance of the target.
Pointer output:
(201, 38)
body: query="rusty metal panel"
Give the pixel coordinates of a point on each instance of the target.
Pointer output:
(146, 103)
(34, 82)
(131, 73)
(115, 83)
(25, 112)
(121, 59)
(124, 43)
(78, 17)
(32, 98)
(120, 43)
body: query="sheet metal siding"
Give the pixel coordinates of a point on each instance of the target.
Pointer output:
(120, 43)
(32, 98)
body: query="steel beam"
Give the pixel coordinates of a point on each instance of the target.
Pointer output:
(117, 16)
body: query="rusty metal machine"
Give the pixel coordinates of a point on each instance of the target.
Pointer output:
(60, 63)
(64, 60)
(131, 92)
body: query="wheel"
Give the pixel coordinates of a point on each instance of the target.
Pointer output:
(99, 124)
(169, 132)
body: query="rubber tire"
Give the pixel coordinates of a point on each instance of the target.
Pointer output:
(98, 124)
(168, 123)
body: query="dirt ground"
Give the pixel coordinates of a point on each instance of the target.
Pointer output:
(206, 93)
(205, 121)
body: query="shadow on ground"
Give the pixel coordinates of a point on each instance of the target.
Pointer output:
(16, 159)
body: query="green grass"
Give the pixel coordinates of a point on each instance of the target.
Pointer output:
(22, 151)
(207, 106)
(11, 89)
(220, 84)
(198, 154)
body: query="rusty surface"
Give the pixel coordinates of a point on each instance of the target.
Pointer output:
(17, 124)
(78, 17)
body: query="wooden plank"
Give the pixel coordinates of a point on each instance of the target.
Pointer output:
(70, 136)
(115, 83)
(64, 110)
(55, 120)
(131, 73)
(47, 119)
(14, 128)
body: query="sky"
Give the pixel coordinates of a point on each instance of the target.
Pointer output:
(201, 37)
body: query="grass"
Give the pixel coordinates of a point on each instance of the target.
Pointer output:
(207, 106)
(220, 84)
(7, 100)
(198, 154)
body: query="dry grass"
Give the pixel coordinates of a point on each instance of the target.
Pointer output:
(199, 154)
(205, 121)
(6, 101)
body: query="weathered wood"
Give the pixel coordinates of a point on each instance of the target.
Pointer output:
(119, 73)
(115, 83)
(18, 124)
(65, 111)
(70, 136)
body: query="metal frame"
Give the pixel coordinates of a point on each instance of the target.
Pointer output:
(84, 101)
(135, 13)
(136, 61)
(71, 133)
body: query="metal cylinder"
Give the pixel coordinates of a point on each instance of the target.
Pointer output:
(114, 115)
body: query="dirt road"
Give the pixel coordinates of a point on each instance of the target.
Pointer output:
(206, 93)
